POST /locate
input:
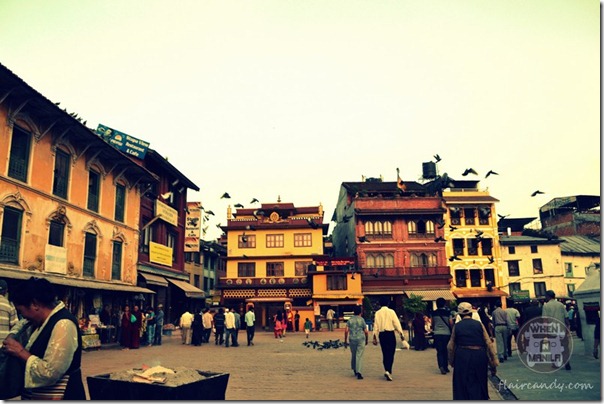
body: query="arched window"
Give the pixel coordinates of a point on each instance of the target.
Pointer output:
(379, 261)
(370, 262)
(429, 227)
(368, 228)
(388, 228)
(379, 229)
(389, 261)
(411, 227)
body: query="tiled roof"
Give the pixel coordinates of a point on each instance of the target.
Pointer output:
(526, 240)
(580, 245)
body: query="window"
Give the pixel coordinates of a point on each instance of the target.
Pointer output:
(247, 241)
(412, 228)
(274, 240)
(19, 154)
(302, 267)
(514, 287)
(487, 246)
(534, 249)
(540, 289)
(196, 279)
(116, 261)
(303, 240)
(146, 236)
(537, 266)
(473, 246)
(94, 186)
(374, 260)
(570, 288)
(10, 239)
(455, 215)
(61, 174)
(89, 254)
(513, 268)
(274, 269)
(469, 216)
(378, 229)
(120, 202)
(568, 269)
(511, 250)
(475, 277)
(56, 232)
(484, 214)
(336, 282)
(460, 278)
(489, 276)
(458, 246)
(423, 260)
(421, 227)
(172, 242)
(246, 269)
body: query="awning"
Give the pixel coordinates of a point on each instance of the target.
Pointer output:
(479, 293)
(154, 279)
(74, 282)
(190, 290)
(431, 294)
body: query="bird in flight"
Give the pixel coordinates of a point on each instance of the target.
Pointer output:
(537, 193)
(491, 260)
(209, 212)
(454, 258)
(469, 171)
(501, 217)
(479, 233)
(440, 223)
(491, 172)
(238, 205)
(254, 201)
(363, 239)
(452, 228)
(439, 238)
(437, 158)
(218, 225)
(225, 195)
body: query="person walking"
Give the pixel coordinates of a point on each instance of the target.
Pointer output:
(442, 323)
(186, 320)
(235, 335)
(297, 321)
(127, 326)
(500, 319)
(307, 327)
(8, 312)
(556, 310)
(52, 355)
(159, 324)
(385, 324)
(218, 326)
(150, 326)
(419, 332)
(513, 326)
(207, 324)
(356, 334)
(471, 353)
(197, 329)
(329, 316)
(250, 325)
(229, 325)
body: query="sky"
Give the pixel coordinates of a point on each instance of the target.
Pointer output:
(273, 99)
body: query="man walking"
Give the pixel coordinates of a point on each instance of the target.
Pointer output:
(513, 326)
(206, 319)
(500, 320)
(235, 336)
(442, 324)
(229, 324)
(218, 323)
(385, 324)
(185, 327)
(555, 309)
(250, 325)
(329, 317)
(159, 324)
(8, 313)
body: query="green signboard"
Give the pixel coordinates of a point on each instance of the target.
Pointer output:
(123, 142)
(521, 295)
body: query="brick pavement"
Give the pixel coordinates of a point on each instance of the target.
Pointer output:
(271, 370)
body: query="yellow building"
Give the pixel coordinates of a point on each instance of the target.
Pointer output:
(69, 203)
(269, 252)
(472, 243)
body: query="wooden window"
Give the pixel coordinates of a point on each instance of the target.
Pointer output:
(120, 202)
(534, 249)
(458, 246)
(513, 268)
(336, 282)
(172, 242)
(247, 241)
(274, 241)
(10, 239)
(56, 233)
(302, 267)
(472, 246)
(94, 187)
(489, 276)
(487, 246)
(246, 269)
(455, 215)
(484, 214)
(89, 254)
(116, 261)
(61, 174)
(18, 163)
(511, 250)
(568, 269)
(469, 216)
(475, 277)
(388, 260)
(369, 228)
(537, 266)
(514, 287)
(274, 269)
(412, 227)
(370, 261)
(460, 278)
(303, 240)
(539, 289)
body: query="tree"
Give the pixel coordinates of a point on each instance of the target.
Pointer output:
(367, 309)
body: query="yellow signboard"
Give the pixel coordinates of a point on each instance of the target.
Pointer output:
(166, 213)
(160, 254)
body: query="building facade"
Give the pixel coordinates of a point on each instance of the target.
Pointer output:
(577, 215)
(205, 266)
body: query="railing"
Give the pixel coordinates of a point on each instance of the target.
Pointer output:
(9, 250)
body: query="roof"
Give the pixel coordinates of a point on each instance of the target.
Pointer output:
(515, 223)
(526, 240)
(469, 199)
(580, 245)
(576, 202)
(382, 187)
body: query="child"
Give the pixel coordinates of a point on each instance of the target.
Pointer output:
(278, 329)
(307, 327)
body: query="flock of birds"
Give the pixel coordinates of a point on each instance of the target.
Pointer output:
(331, 344)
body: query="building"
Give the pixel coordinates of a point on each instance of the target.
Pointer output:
(531, 265)
(205, 266)
(69, 203)
(472, 243)
(577, 215)
(269, 254)
(394, 233)
(580, 256)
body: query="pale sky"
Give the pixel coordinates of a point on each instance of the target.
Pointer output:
(264, 98)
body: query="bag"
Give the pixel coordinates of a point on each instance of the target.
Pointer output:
(12, 369)
(132, 318)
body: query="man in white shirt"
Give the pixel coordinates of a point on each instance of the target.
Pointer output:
(186, 319)
(329, 317)
(385, 324)
(207, 319)
(229, 325)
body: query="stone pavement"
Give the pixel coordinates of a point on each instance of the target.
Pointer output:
(273, 370)
(582, 382)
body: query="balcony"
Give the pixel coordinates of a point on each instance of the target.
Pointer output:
(408, 272)
(267, 282)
